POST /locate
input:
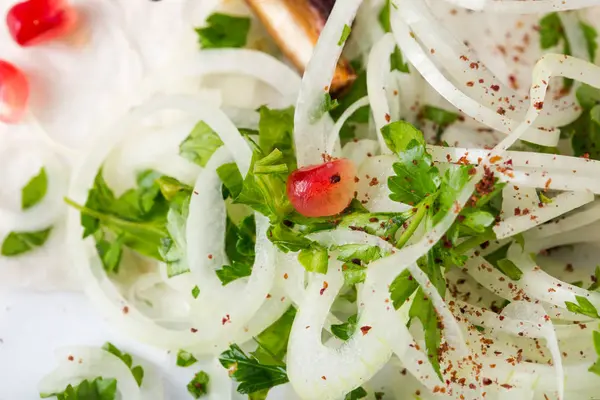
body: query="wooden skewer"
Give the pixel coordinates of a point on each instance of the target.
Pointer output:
(295, 25)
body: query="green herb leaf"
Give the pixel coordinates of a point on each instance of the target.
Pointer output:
(415, 177)
(195, 292)
(137, 371)
(173, 245)
(170, 187)
(273, 341)
(110, 253)
(396, 59)
(230, 273)
(595, 368)
(314, 259)
(17, 243)
(251, 375)
(439, 116)
(356, 394)
(200, 144)
(551, 31)
(364, 253)
(275, 131)
(423, 309)
(346, 330)
(583, 306)
(500, 262)
(35, 190)
(185, 359)
(327, 104)
(402, 288)
(198, 386)
(398, 135)
(98, 389)
(345, 35)
(224, 30)
(590, 34)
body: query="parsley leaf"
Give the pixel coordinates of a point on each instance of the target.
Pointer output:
(273, 341)
(346, 330)
(357, 91)
(595, 368)
(251, 375)
(440, 117)
(198, 386)
(17, 243)
(345, 35)
(275, 131)
(230, 273)
(396, 59)
(551, 31)
(356, 256)
(415, 177)
(314, 259)
(224, 30)
(185, 359)
(423, 309)
(137, 371)
(402, 288)
(98, 389)
(590, 34)
(500, 262)
(35, 190)
(398, 135)
(583, 306)
(195, 292)
(200, 144)
(327, 104)
(356, 394)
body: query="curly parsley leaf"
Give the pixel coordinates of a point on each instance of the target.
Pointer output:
(498, 259)
(235, 271)
(200, 144)
(251, 375)
(224, 30)
(275, 131)
(356, 257)
(356, 394)
(423, 310)
(137, 371)
(35, 190)
(402, 287)
(198, 386)
(17, 243)
(98, 389)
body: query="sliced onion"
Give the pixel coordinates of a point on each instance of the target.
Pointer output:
(310, 133)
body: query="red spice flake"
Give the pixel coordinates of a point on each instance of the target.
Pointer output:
(492, 366)
(481, 81)
(470, 84)
(225, 319)
(495, 159)
(538, 105)
(194, 330)
(464, 58)
(374, 182)
(388, 118)
(125, 310)
(495, 88)
(324, 377)
(365, 329)
(210, 256)
(547, 185)
(472, 386)
(517, 211)
(70, 358)
(432, 51)
(285, 276)
(487, 381)
(501, 111)
(474, 65)
(268, 295)
(513, 82)
(526, 211)
(195, 192)
(551, 290)
(436, 389)
(325, 286)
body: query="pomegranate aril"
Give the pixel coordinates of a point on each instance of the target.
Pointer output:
(36, 21)
(322, 190)
(14, 93)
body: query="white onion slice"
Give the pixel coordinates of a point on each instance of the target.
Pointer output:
(310, 134)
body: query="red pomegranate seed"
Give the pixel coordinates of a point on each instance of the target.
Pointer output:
(36, 21)
(322, 190)
(14, 93)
